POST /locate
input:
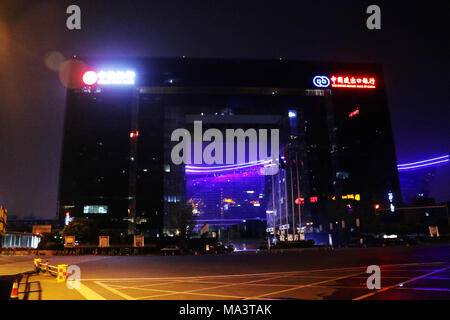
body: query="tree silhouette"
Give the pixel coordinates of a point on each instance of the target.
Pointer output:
(84, 230)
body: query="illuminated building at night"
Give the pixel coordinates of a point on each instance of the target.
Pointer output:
(335, 142)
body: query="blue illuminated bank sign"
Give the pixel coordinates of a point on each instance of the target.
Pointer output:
(321, 81)
(344, 81)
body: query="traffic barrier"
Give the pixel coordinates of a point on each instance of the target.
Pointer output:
(36, 264)
(62, 273)
(15, 291)
(59, 271)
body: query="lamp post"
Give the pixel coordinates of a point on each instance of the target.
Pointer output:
(376, 207)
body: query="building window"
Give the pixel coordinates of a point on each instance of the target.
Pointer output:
(95, 209)
(342, 175)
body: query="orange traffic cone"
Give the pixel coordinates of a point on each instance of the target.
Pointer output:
(15, 291)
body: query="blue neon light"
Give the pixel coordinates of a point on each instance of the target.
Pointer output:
(222, 169)
(423, 161)
(321, 81)
(424, 165)
(235, 166)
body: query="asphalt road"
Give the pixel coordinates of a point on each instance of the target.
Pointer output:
(417, 272)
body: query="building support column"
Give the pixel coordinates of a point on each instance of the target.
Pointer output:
(132, 175)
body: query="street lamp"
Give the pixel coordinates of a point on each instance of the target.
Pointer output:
(376, 207)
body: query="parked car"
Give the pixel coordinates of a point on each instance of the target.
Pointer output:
(170, 250)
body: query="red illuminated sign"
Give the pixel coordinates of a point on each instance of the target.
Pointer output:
(313, 199)
(346, 81)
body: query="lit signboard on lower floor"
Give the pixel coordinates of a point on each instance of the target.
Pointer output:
(95, 209)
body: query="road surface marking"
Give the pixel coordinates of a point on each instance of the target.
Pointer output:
(256, 274)
(88, 293)
(116, 288)
(173, 292)
(338, 287)
(196, 291)
(196, 279)
(117, 292)
(401, 283)
(305, 285)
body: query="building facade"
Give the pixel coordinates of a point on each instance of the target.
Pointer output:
(336, 152)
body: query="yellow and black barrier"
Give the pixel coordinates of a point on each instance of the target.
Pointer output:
(60, 271)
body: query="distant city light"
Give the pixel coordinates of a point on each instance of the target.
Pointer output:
(67, 219)
(390, 196)
(391, 199)
(353, 113)
(292, 114)
(424, 163)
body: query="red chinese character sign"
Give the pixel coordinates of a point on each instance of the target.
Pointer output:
(103, 241)
(138, 241)
(69, 241)
(345, 81)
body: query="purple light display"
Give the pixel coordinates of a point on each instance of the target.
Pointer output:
(424, 163)
(223, 168)
(226, 195)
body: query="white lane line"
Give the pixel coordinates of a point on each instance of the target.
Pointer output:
(258, 274)
(88, 293)
(305, 286)
(174, 292)
(117, 292)
(165, 283)
(401, 283)
(196, 291)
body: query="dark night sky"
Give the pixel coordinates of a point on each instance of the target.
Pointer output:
(412, 45)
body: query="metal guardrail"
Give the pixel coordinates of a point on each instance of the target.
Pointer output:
(60, 271)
